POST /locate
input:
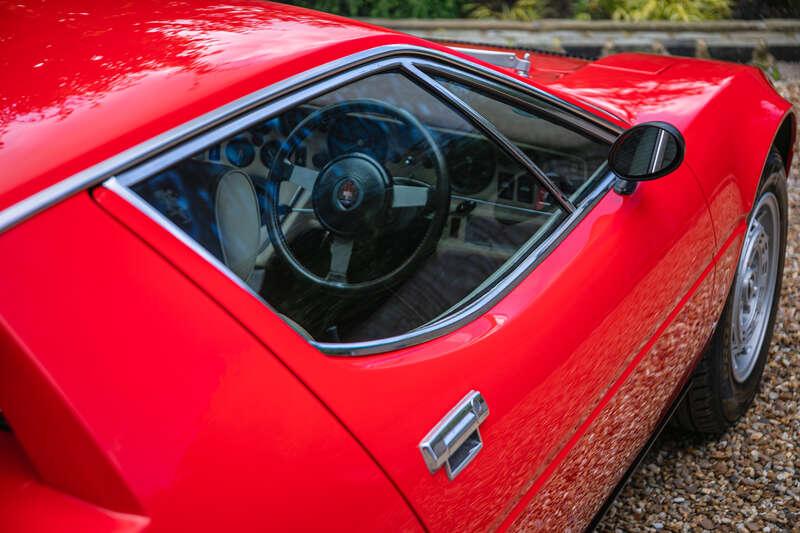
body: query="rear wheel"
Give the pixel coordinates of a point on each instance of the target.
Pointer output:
(727, 377)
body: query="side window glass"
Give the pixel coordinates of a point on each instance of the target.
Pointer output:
(365, 213)
(571, 159)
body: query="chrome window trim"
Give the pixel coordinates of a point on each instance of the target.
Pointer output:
(411, 338)
(119, 172)
(404, 62)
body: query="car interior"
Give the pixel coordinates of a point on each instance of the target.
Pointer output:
(376, 209)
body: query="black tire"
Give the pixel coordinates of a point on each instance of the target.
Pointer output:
(715, 400)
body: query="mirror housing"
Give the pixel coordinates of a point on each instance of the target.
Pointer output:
(645, 152)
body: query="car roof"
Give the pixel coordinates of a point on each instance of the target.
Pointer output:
(84, 81)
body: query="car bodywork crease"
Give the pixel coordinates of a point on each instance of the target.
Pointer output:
(260, 341)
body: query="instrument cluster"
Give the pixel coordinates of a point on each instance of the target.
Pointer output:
(255, 149)
(476, 167)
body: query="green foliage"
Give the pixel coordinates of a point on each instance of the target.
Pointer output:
(525, 10)
(683, 10)
(386, 8)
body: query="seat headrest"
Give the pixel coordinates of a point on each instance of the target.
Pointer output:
(238, 219)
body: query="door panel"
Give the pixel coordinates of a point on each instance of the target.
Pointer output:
(572, 492)
(543, 357)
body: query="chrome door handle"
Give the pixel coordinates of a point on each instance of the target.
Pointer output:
(455, 440)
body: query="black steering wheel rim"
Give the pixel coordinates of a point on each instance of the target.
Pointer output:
(439, 196)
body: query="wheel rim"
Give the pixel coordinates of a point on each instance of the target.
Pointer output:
(754, 287)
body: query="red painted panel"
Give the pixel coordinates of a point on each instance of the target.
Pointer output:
(36, 409)
(570, 493)
(726, 142)
(205, 427)
(28, 505)
(162, 393)
(543, 357)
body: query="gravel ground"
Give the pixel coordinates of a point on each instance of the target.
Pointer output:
(748, 479)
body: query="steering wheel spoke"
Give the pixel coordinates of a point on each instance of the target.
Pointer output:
(341, 250)
(409, 196)
(303, 176)
(351, 198)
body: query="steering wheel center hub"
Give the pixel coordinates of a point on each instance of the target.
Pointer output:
(352, 194)
(349, 193)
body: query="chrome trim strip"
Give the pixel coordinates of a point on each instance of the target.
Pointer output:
(658, 153)
(95, 174)
(506, 58)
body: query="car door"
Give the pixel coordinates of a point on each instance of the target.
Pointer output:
(538, 296)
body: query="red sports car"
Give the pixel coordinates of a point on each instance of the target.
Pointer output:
(269, 269)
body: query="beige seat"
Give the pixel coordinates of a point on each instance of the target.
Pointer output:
(238, 218)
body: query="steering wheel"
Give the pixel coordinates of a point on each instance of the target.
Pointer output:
(353, 197)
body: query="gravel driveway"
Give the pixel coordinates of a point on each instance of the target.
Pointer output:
(748, 479)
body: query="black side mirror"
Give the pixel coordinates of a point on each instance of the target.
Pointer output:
(645, 152)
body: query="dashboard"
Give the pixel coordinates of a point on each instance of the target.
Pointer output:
(489, 191)
(476, 167)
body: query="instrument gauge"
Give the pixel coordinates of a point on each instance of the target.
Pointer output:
(268, 152)
(471, 165)
(240, 152)
(289, 120)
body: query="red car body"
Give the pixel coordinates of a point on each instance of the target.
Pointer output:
(147, 391)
